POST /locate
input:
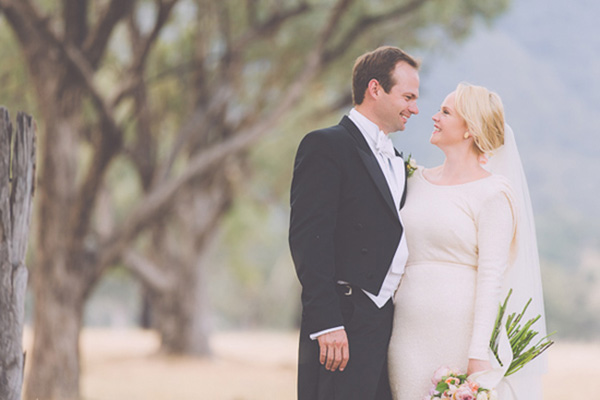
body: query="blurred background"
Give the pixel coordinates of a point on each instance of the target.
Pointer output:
(158, 257)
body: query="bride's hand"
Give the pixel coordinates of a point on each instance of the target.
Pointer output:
(477, 366)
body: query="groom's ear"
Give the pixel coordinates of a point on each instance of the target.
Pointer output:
(373, 89)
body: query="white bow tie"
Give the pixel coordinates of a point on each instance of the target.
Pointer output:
(384, 145)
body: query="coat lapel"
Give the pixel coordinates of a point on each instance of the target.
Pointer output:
(370, 162)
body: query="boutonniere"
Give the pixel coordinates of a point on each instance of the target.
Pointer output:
(411, 166)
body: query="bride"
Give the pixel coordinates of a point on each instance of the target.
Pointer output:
(470, 234)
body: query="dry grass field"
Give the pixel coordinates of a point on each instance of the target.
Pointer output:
(124, 365)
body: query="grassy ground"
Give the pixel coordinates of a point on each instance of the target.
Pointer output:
(124, 365)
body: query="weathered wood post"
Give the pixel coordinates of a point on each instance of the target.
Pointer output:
(17, 179)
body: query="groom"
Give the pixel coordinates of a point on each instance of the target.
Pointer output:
(346, 236)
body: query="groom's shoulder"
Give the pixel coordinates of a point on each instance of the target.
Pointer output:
(335, 134)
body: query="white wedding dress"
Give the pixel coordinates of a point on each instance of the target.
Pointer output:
(459, 240)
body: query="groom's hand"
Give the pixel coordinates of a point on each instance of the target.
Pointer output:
(334, 350)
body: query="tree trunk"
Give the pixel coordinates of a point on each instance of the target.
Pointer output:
(55, 356)
(181, 314)
(16, 192)
(181, 310)
(62, 277)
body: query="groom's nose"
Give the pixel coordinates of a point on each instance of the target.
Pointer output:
(414, 108)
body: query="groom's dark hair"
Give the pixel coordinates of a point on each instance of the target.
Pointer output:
(377, 64)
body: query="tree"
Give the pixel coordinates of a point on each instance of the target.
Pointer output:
(63, 53)
(245, 67)
(17, 179)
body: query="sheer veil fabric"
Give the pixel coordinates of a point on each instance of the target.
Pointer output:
(523, 276)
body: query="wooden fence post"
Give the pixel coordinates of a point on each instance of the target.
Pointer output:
(17, 180)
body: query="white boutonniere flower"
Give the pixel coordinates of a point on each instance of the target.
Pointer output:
(411, 165)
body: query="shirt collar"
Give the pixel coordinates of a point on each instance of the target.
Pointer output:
(368, 128)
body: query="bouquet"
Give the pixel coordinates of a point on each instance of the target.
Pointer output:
(451, 385)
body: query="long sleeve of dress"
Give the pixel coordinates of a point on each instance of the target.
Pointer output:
(496, 228)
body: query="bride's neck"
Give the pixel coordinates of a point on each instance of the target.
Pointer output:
(459, 167)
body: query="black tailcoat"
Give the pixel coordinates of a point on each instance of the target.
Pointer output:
(344, 226)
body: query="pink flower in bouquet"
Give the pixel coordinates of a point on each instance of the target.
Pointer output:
(463, 393)
(474, 386)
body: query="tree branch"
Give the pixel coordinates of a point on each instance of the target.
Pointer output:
(24, 16)
(161, 197)
(110, 139)
(25, 20)
(75, 21)
(366, 22)
(95, 45)
(269, 27)
(164, 11)
(141, 50)
(217, 100)
(334, 18)
(198, 118)
(149, 273)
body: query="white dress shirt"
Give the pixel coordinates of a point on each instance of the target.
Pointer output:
(395, 179)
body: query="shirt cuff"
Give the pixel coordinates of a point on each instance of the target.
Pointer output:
(314, 336)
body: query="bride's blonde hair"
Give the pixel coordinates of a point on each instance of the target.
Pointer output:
(483, 112)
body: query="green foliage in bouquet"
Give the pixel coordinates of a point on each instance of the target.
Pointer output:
(519, 336)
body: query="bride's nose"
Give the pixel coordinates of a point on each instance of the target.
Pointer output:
(435, 117)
